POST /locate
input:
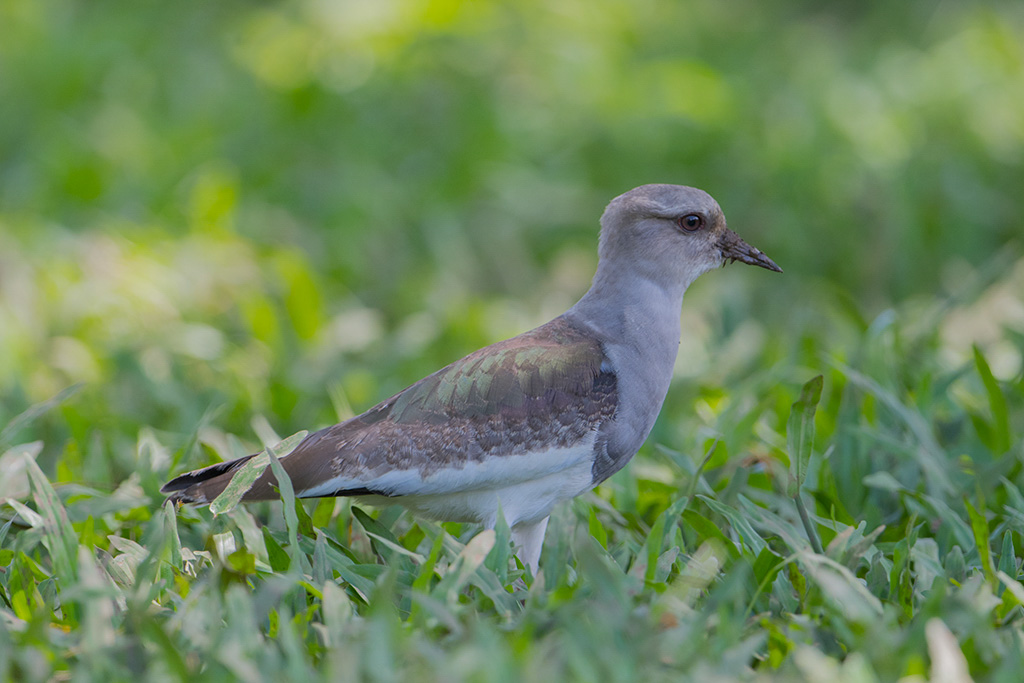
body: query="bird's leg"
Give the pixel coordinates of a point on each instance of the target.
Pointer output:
(528, 539)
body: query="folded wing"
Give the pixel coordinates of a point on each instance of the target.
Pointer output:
(511, 412)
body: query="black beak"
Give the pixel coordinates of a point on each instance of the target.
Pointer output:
(733, 248)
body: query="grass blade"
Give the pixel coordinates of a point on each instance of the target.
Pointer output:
(979, 525)
(247, 475)
(996, 402)
(800, 433)
(800, 439)
(61, 537)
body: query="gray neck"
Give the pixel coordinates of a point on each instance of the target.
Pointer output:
(633, 312)
(638, 324)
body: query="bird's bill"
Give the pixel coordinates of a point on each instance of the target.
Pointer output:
(733, 248)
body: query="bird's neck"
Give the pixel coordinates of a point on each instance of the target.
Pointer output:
(631, 308)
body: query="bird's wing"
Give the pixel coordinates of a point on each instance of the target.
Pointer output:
(514, 411)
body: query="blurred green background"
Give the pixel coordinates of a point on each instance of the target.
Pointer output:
(295, 209)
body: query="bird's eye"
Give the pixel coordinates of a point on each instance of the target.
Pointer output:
(691, 222)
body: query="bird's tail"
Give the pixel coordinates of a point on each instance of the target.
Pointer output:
(202, 486)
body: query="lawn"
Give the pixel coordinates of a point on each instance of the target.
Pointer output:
(223, 224)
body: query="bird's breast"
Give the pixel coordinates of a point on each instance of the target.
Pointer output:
(643, 364)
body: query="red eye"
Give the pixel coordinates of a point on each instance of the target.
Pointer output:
(691, 222)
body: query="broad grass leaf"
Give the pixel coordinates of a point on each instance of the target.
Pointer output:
(706, 529)
(30, 516)
(426, 573)
(850, 544)
(652, 555)
(373, 526)
(278, 558)
(740, 524)
(171, 528)
(248, 473)
(468, 561)
(1007, 556)
(386, 544)
(291, 518)
(980, 528)
(1013, 587)
(955, 566)
(766, 567)
(800, 433)
(597, 529)
(500, 556)
(62, 541)
(240, 484)
(1000, 431)
(397, 547)
(843, 588)
(321, 569)
(948, 662)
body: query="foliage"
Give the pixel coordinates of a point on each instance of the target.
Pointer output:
(218, 216)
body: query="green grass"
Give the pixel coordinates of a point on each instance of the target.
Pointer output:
(867, 537)
(225, 223)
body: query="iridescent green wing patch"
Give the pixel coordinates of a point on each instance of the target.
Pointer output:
(554, 359)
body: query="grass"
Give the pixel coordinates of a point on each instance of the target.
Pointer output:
(866, 527)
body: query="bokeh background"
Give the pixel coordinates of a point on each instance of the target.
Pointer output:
(215, 211)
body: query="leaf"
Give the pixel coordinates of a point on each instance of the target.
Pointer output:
(800, 433)
(468, 561)
(240, 484)
(997, 404)
(1013, 587)
(767, 565)
(979, 525)
(597, 529)
(373, 526)
(171, 527)
(422, 582)
(276, 555)
(1008, 558)
(843, 588)
(248, 473)
(397, 547)
(291, 519)
(740, 524)
(62, 540)
(499, 558)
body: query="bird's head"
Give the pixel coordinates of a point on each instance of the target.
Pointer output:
(672, 234)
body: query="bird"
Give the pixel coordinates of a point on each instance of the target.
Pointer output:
(523, 424)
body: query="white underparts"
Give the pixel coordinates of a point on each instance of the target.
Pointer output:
(527, 486)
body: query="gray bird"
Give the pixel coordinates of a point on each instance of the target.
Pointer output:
(533, 420)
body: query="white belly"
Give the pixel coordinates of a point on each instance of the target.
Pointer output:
(526, 501)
